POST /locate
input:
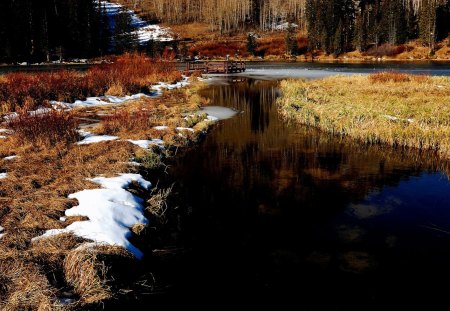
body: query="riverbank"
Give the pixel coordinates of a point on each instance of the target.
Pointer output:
(79, 205)
(392, 108)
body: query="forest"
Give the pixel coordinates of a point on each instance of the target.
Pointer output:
(335, 26)
(36, 31)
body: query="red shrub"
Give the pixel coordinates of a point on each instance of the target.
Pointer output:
(132, 72)
(386, 50)
(214, 49)
(47, 128)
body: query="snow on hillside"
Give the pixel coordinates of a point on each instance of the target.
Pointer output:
(144, 30)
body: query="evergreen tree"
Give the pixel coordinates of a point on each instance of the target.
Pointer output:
(251, 43)
(291, 40)
(125, 39)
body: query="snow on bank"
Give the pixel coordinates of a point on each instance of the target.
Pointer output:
(167, 86)
(112, 211)
(161, 127)
(189, 129)
(144, 31)
(147, 143)
(98, 101)
(3, 175)
(89, 138)
(117, 100)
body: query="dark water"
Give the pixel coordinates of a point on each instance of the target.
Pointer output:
(272, 213)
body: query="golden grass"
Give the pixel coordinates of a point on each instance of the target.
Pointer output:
(34, 197)
(392, 108)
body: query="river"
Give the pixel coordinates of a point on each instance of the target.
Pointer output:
(270, 212)
(275, 213)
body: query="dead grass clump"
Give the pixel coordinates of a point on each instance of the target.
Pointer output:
(90, 270)
(395, 76)
(115, 90)
(51, 250)
(24, 287)
(48, 128)
(157, 204)
(125, 120)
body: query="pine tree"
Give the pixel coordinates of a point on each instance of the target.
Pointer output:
(251, 43)
(291, 40)
(125, 39)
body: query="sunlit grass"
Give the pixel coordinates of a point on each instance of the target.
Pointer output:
(392, 108)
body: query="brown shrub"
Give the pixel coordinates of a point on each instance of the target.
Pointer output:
(386, 49)
(215, 49)
(271, 46)
(48, 128)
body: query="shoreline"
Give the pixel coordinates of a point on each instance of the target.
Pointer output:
(396, 109)
(131, 139)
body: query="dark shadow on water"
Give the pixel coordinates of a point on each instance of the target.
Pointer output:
(275, 213)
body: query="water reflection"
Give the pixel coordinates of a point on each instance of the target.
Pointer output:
(270, 207)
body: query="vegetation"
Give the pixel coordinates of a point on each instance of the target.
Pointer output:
(393, 108)
(332, 26)
(127, 74)
(49, 166)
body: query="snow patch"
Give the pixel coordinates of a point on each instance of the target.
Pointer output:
(147, 143)
(3, 175)
(3, 137)
(112, 211)
(98, 101)
(144, 31)
(185, 129)
(161, 128)
(10, 158)
(89, 138)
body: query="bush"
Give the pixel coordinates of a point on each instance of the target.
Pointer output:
(386, 49)
(131, 73)
(48, 128)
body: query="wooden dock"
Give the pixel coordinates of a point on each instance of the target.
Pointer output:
(220, 67)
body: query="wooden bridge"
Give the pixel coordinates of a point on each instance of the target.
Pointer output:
(224, 67)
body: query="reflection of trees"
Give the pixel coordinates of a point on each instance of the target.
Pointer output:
(273, 165)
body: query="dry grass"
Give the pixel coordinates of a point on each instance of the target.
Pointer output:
(398, 77)
(392, 108)
(127, 74)
(46, 171)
